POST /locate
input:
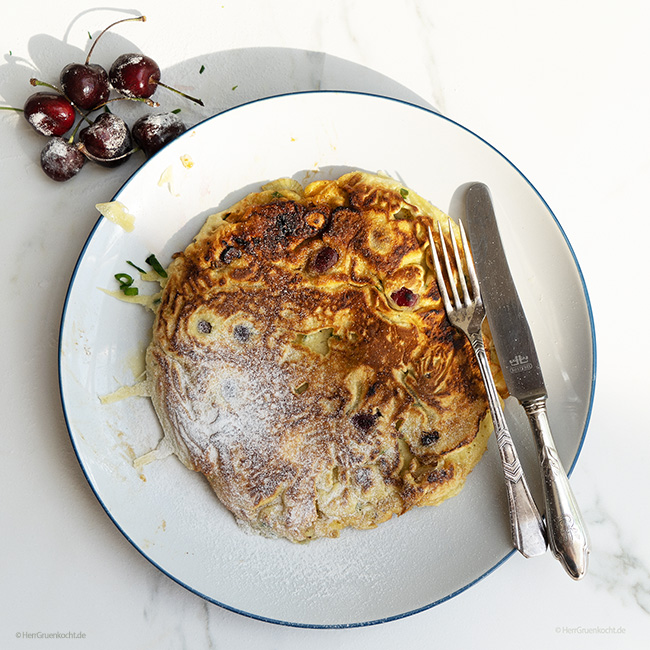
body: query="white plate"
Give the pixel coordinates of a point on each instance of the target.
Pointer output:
(169, 513)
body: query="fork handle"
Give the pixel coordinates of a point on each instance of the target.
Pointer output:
(567, 533)
(526, 524)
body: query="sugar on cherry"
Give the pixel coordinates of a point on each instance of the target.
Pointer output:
(153, 131)
(86, 84)
(61, 159)
(106, 141)
(138, 76)
(49, 113)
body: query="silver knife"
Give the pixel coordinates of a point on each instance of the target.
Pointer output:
(567, 535)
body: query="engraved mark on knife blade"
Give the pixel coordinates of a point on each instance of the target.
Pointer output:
(520, 363)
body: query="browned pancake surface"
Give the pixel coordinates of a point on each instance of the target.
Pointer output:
(303, 362)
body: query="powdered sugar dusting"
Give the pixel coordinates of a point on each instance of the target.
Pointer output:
(240, 406)
(42, 122)
(161, 121)
(58, 148)
(115, 136)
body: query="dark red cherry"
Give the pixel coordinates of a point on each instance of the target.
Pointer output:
(404, 297)
(138, 76)
(107, 141)
(364, 421)
(324, 260)
(85, 84)
(135, 75)
(61, 160)
(242, 333)
(152, 132)
(49, 113)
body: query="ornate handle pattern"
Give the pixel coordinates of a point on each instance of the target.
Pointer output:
(567, 534)
(526, 523)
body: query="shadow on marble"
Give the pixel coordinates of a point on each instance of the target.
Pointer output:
(223, 80)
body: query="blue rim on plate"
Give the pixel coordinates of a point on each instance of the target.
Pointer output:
(138, 547)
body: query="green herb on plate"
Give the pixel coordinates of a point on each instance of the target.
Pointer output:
(126, 281)
(156, 266)
(135, 266)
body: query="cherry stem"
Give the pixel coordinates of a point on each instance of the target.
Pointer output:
(117, 22)
(178, 92)
(145, 100)
(85, 152)
(76, 128)
(10, 108)
(38, 82)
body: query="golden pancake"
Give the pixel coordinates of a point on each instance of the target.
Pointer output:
(302, 361)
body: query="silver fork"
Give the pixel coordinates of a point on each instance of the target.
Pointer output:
(467, 313)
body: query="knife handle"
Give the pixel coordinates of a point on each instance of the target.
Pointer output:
(526, 523)
(567, 534)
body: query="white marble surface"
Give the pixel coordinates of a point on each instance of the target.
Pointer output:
(561, 88)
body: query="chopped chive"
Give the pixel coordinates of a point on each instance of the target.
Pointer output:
(404, 192)
(176, 111)
(90, 36)
(124, 279)
(135, 266)
(277, 195)
(156, 265)
(234, 87)
(202, 69)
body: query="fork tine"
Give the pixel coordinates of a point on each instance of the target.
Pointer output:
(442, 287)
(459, 264)
(450, 273)
(469, 260)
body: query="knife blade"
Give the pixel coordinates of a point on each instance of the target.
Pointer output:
(522, 372)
